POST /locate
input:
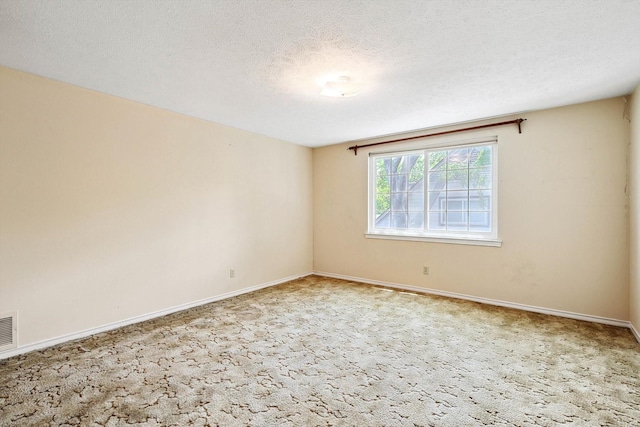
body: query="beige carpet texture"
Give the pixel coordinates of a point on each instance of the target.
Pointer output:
(327, 352)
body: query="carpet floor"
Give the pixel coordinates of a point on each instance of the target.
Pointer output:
(326, 352)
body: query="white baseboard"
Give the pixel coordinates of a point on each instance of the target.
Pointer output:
(137, 319)
(553, 312)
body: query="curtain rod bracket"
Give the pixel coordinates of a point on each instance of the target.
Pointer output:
(517, 121)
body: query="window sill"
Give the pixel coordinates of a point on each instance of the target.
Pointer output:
(450, 240)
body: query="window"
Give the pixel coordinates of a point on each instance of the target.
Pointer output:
(440, 193)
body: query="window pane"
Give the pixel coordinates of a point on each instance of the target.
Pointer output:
(383, 184)
(437, 198)
(416, 220)
(399, 202)
(480, 200)
(454, 217)
(384, 220)
(399, 182)
(416, 202)
(480, 221)
(437, 160)
(398, 220)
(457, 200)
(480, 178)
(437, 220)
(416, 173)
(457, 179)
(457, 221)
(398, 165)
(383, 203)
(480, 156)
(458, 158)
(437, 180)
(382, 192)
(382, 166)
(456, 205)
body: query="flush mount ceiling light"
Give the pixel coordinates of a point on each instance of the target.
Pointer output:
(341, 87)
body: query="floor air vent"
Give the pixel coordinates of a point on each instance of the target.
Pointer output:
(8, 331)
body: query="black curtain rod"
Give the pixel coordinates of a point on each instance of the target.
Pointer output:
(510, 122)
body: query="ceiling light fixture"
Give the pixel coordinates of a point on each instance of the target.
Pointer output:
(341, 87)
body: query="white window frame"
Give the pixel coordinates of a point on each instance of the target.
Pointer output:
(465, 238)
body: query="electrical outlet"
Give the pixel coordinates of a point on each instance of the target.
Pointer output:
(425, 270)
(232, 273)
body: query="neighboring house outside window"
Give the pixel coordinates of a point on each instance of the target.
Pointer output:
(444, 193)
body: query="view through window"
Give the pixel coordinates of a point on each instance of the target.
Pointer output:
(440, 192)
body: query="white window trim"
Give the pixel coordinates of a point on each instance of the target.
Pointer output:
(434, 239)
(479, 239)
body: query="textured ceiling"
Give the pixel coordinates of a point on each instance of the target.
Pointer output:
(260, 65)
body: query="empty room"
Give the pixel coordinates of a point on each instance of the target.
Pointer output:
(319, 213)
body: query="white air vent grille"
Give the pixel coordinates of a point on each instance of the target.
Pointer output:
(8, 331)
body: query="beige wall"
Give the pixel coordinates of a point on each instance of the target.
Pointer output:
(634, 214)
(110, 209)
(562, 218)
